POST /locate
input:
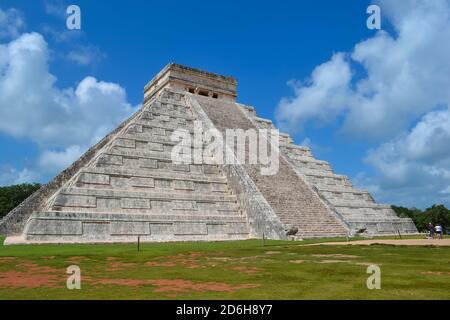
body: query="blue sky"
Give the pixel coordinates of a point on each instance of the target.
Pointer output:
(265, 45)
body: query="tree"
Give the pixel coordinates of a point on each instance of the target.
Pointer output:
(416, 216)
(12, 196)
(437, 214)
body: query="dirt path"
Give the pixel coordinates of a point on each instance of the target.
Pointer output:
(406, 242)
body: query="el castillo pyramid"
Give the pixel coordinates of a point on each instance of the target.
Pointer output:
(128, 186)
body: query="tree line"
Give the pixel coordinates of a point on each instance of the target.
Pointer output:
(437, 214)
(12, 196)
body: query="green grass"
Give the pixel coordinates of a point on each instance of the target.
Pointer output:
(243, 269)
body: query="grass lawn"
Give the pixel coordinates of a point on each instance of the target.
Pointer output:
(224, 270)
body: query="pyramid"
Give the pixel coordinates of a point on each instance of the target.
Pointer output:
(128, 186)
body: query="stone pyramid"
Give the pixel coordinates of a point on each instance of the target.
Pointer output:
(128, 186)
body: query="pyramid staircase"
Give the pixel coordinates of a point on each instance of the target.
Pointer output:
(127, 186)
(296, 205)
(356, 208)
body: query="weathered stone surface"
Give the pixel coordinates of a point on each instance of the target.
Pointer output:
(188, 228)
(287, 194)
(127, 185)
(55, 227)
(130, 228)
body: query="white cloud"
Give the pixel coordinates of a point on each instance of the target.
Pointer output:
(407, 76)
(414, 167)
(86, 55)
(321, 98)
(11, 23)
(33, 107)
(58, 160)
(63, 122)
(400, 101)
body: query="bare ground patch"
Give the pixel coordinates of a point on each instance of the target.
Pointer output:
(77, 259)
(436, 273)
(332, 261)
(119, 266)
(177, 285)
(30, 275)
(297, 261)
(190, 261)
(7, 259)
(245, 269)
(335, 255)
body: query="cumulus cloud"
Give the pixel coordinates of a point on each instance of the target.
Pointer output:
(415, 167)
(321, 98)
(401, 101)
(55, 161)
(63, 122)
(11, 23)
(33, 107)
(407, 76)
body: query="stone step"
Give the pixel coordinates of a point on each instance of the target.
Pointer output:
(95, 227)
(315, 172)
(126, 158)
(376, 220)
(151, 207)
(165, 116)
(347, 196)
(326, 179)
(309, 165)
(152, 195)
(93, 179)
(295, 149)
(169, 104)
(135, 153)
(152, 142)
(357, 204)
(163, 110)
(154, 173)
(164, 154)
(142, 217)
(321, 235)
(311, 225)
(340, 189)
(162, 125)
(361, 212)
(162, 130)
(298, 158)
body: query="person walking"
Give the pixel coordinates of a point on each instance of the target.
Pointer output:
(431, 230)
(439, 231)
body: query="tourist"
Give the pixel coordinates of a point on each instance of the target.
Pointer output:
(439, 231)
(431, 230)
